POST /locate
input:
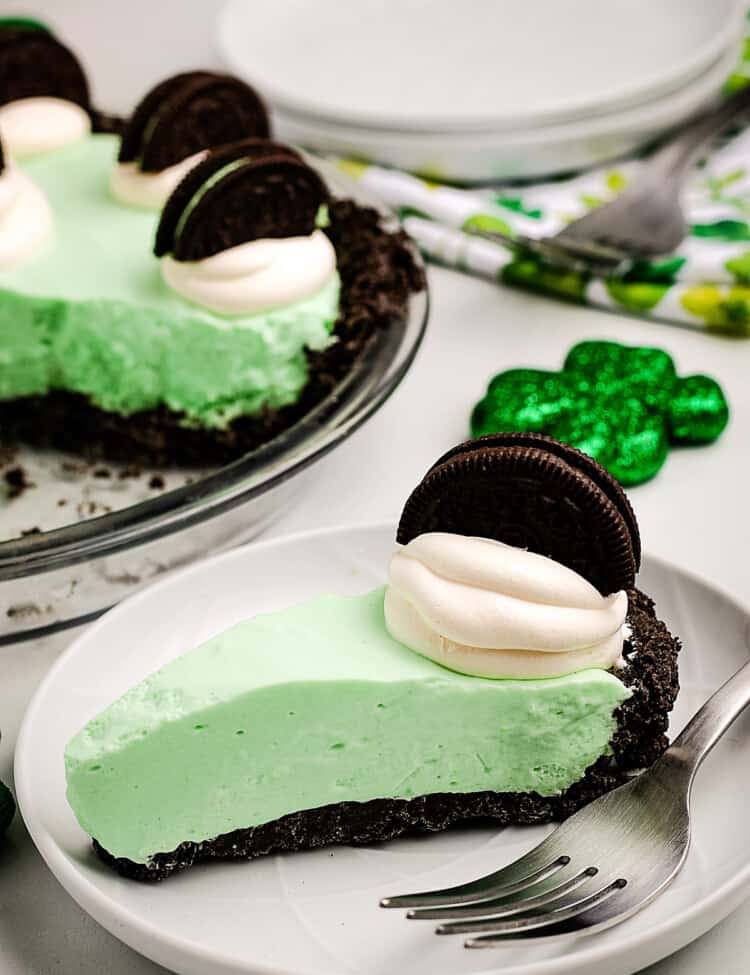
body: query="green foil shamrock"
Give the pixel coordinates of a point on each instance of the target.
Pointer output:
(622, 405)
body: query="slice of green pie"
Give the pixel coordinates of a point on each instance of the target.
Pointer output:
(315, 725)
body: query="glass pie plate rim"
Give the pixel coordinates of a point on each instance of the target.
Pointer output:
(378, 369)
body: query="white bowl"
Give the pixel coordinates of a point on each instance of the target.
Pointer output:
(438, 65)
(497, 155)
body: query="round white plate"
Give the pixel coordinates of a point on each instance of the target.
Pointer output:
(438, 64)
(316, 913)
(501, 155)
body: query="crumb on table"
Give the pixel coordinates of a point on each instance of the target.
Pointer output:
(17, 481)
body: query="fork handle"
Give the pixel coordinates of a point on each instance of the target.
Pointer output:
(674, 160)
(707, 726)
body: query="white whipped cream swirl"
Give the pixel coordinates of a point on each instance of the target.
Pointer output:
(487, 609)
(149, 191)
(254, 277)
(25, 218)
(29, 126)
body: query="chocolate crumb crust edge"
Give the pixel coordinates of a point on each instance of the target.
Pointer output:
(378, 275)
(650, 671)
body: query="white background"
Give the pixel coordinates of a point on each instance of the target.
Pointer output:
(694, 513)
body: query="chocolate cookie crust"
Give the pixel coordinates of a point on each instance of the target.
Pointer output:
(651, 673)
(378, 274)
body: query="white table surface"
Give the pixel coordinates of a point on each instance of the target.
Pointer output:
(694, 513)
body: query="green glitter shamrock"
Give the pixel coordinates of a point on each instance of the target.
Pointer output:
(622, 405)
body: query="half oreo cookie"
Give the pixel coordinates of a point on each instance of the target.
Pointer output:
(188, 113)
(535, 493)
(34, 63)
(248, 190)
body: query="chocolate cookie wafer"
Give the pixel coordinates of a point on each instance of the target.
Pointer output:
(240, 193)
(533, 493)
(608, 484)
(34, 63)
(192, 183)
(188, 113)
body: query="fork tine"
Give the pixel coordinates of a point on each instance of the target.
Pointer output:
(491, 886)
(563, 252)
(501, 930)
(500, 907)
(591, 249)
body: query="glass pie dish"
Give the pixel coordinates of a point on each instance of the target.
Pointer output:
(55, 575)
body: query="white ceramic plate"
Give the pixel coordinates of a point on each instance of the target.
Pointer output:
(316, 913)
(498, 155)
(442, 65)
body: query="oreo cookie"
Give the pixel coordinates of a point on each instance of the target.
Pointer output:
(245, 191)
(604, 480)
(201, 174)
(188, 113)
(34, 63)
(535, 493)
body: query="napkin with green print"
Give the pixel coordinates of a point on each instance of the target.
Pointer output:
(705, 283)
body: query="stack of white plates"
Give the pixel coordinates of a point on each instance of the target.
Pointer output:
(482, 89)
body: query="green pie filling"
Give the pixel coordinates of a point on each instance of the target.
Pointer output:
(315, 705)
(90, 314)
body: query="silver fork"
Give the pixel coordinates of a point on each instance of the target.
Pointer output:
(646, 219)
(600, 866)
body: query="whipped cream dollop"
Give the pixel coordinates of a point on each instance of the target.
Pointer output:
(33, 125)
(25, 218)
(149, 191)
(257, 276)
(488, 609)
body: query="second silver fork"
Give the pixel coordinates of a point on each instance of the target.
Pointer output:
(646, 220)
